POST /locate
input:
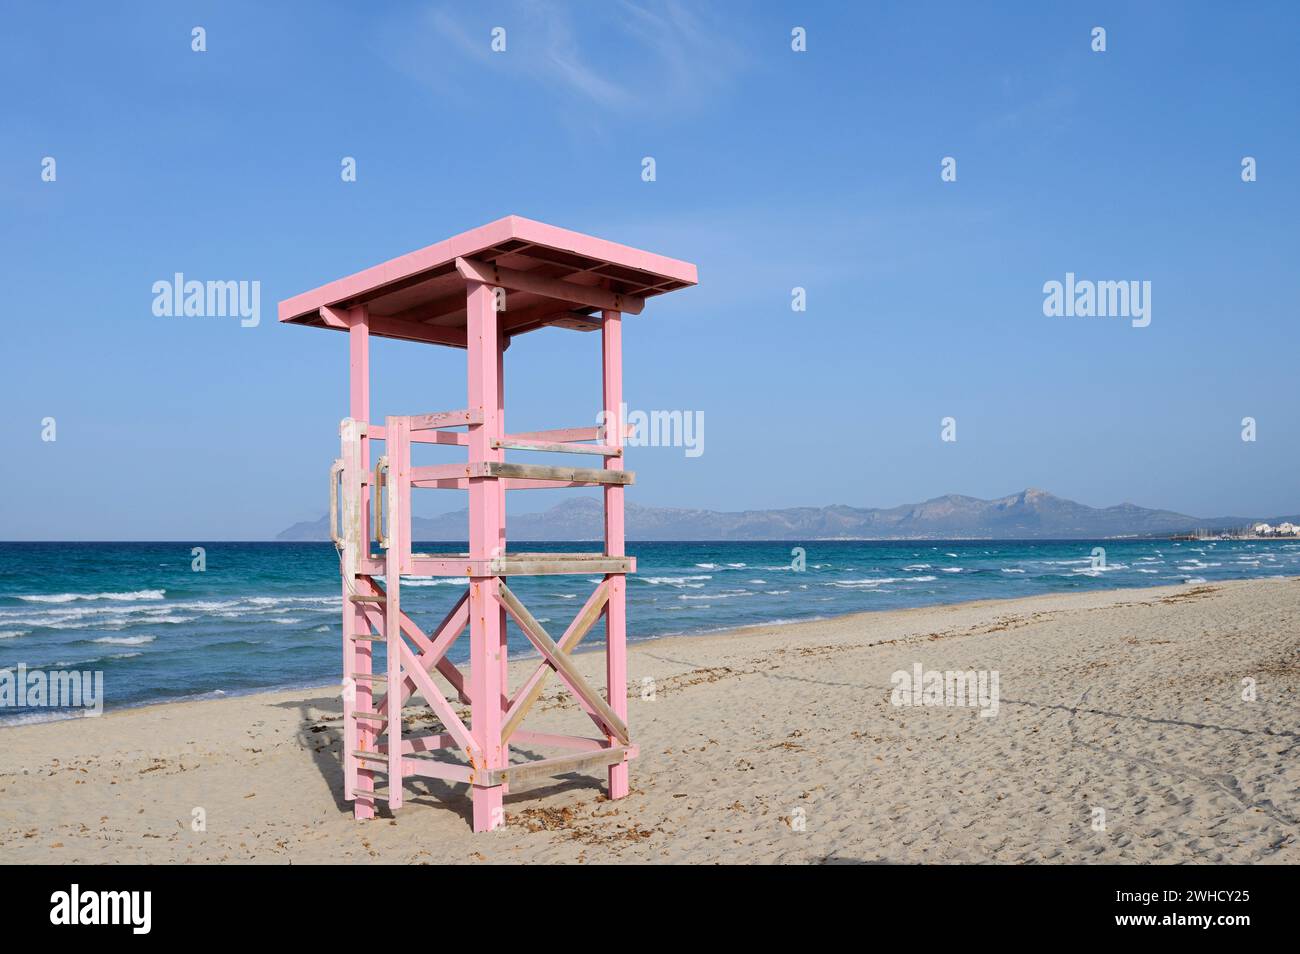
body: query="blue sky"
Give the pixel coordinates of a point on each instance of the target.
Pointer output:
(775, 169)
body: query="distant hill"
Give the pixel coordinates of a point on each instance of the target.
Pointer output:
(1030, 514)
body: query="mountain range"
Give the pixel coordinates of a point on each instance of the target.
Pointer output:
(1030, 514)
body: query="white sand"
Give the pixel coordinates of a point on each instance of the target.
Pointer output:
(1128, 701)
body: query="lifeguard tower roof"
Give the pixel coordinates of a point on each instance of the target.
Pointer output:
(552, 277)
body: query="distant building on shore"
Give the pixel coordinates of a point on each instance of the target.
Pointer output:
(1283, 529)
(1250, 532)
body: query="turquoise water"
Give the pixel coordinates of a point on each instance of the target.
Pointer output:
(266, 615)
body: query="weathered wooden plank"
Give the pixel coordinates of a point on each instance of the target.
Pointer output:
(523, 555)
(559, 447)
(431, 475)
(544, 472)
(380, 510)
(574, 321)
(559, 765)
(508, 566)
(548, 564)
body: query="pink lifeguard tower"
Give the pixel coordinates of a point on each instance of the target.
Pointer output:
(476, 291)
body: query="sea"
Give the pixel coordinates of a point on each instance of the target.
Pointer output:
(161, 625)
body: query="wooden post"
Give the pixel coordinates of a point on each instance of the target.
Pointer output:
(358, 654)
(494, 443)
(398, 447)
(359, 388)
(486, 532)
(616, 609)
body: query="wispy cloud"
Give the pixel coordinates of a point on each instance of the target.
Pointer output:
(657, 57)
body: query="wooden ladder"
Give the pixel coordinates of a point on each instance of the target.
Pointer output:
(367, 713)
(371, 614)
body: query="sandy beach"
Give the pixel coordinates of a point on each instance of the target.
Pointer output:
(767, 744)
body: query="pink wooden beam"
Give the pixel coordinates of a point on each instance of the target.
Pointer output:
(494, 446)
(492, 274)
(411, 331)
(546, 314)
(547, 740)
(616, 608)
(358, 653)
(399, 454)
(427, 742)
(433, 695)
(428, 422)
(508, 483)
(359, 401)
(485, 533)
(564, 435)
(449, 438)
(335, 317)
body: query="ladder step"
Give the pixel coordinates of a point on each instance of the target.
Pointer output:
(369, 636)
(365, 756)
(362, 793)
(367, 599)
(375, 716)
(368, 677)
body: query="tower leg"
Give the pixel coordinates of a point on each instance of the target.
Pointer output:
(485, 695)
(486, 533)
(358, 656)
(616, 610)
(616, 671)
(399, 544)
(501, 534)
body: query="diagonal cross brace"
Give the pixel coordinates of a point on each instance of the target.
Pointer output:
(433, 695)
(531, 690)
(449, 632)
(562, 664)
(432, 651)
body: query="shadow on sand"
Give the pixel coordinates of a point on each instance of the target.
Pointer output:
(320, 732)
